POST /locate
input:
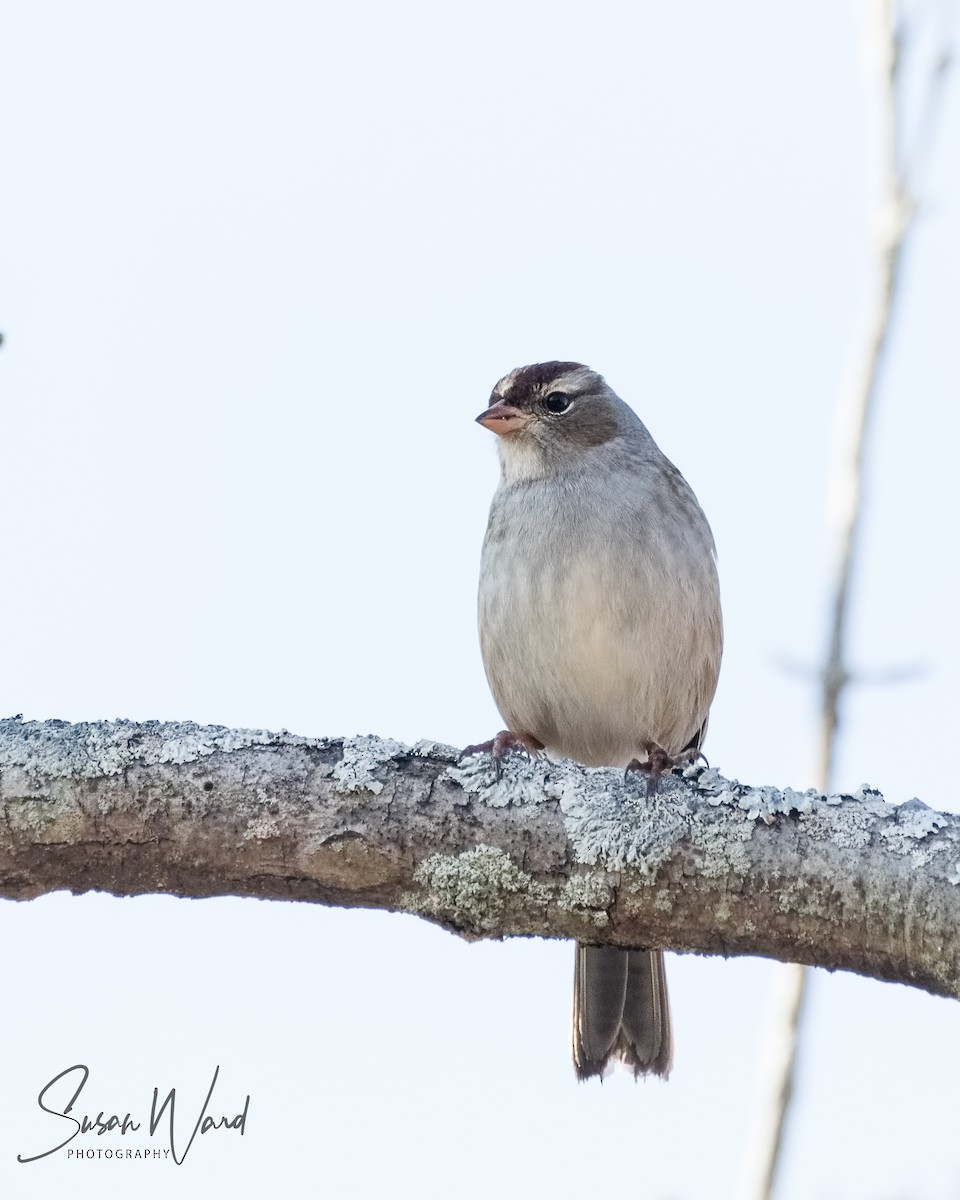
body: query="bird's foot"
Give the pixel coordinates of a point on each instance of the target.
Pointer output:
(505, 741)
(691, 752)
(657, 762)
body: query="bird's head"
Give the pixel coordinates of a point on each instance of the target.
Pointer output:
(550, 416)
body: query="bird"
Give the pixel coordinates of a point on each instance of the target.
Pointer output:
(601, 636)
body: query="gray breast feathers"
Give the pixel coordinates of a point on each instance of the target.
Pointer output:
(600, 614)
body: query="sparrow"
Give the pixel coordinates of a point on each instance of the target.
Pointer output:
(601, 636)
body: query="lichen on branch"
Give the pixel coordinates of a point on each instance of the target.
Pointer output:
(545, 848)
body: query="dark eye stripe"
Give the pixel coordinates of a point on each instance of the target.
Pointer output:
(556, 402)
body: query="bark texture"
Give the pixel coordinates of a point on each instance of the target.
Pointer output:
(550, 848)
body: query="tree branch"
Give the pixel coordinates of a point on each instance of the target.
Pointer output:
(552, 849)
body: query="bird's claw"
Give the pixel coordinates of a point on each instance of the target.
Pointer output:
(501, 745)
(657, 762)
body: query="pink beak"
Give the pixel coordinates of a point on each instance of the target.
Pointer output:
(502, 418)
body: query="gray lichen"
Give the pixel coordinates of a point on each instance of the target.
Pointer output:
(640, 831)
(591, 894)
(528, 780)
(35, 815)
(471, 890)
(426, 748)
(606, 820)
(94, 749)
(362, 756)
(914, 821)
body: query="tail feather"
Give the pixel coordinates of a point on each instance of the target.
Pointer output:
(620, 1010)
(646, 1036)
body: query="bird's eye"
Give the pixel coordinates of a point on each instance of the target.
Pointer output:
(557, 402)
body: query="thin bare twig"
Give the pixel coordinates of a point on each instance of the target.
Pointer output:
(883, 42)
(857, 397)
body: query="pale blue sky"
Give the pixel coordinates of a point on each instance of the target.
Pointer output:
(260, 266)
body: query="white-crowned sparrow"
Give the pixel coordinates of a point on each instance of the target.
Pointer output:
(601, 634)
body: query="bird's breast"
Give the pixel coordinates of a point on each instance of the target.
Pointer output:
(599, 636)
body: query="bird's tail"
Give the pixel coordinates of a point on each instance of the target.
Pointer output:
(620, 1010)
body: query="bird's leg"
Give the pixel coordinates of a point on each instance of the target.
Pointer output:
(691, 752)
(505, 741)
(657, 762)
